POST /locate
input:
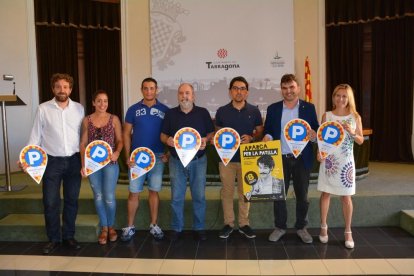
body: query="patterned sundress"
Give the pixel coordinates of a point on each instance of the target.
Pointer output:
(337, 171)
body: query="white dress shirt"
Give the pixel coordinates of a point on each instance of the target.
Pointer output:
(57, 130)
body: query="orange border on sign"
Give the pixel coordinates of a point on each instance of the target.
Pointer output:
(147, 150)
(181, 131)
(226, 129)
(102, 143)
(29, 147)
(332, 123)
(294, 121)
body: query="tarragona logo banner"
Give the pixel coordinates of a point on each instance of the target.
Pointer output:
(207, 43)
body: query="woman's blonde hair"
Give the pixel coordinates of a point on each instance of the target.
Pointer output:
(351, 99)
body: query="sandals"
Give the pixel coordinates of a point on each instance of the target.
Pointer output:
(349, 243)
(324, 239)
(103, 237)
(113, 236)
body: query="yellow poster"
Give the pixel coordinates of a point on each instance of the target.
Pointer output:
(262, 171)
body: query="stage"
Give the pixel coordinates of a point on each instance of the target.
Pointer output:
(380, 198)
(382, 245)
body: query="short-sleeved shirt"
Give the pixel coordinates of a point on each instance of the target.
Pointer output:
(198, 118)
(146, 125)
(244, 121)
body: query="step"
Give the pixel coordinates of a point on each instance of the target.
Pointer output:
(31, 227)
(407, 221)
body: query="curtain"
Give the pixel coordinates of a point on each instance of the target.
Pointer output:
(57, 25)
(56, 53)
(344, 53)
(78, 13)
(103, 67)
(389, 76)
(392, 87)
(344, 12)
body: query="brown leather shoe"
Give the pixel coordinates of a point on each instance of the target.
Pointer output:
(113, 236)
(103, 237)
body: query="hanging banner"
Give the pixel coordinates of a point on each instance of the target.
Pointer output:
(144, 160)
(187, 142)
(262, 171)
(204, 54)
(97, 155)
(330, 137)
(35, 159)
(296, 134)
(227, 142)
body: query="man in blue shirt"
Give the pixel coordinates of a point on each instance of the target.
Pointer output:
(296, 169)
(187, 114)
(247, 121)
(143, 122)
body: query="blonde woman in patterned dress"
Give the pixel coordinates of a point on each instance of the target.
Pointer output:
(337, 170)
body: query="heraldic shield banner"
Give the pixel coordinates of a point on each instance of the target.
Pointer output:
(262, 171)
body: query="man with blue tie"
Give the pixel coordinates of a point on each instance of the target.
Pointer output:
(295, 169)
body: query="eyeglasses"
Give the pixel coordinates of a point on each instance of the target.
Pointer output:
(235, 88)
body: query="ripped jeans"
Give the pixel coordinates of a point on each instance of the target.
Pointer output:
(103, 184)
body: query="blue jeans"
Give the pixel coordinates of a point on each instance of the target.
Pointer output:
(103, 184)
(60, 170)
(196, 174)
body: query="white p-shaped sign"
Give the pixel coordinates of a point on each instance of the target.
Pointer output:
(97, 156)
(187, 142)
(99, 152)
(142, 159)
(330, 137)
(330, 133)
(296, 134)
(297, 131)
(33, 157)
(227, 139)
(188, 139)
(227, 142)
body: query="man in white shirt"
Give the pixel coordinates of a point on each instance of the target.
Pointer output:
(56, 129)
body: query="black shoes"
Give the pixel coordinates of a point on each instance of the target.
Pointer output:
(71, 244)
(200, 235)
(226, 231)
(247, 232)
(49, 247)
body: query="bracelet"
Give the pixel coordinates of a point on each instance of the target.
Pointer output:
(353, 135)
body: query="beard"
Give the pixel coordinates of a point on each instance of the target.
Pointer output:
(61, 97)
(186, 105)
